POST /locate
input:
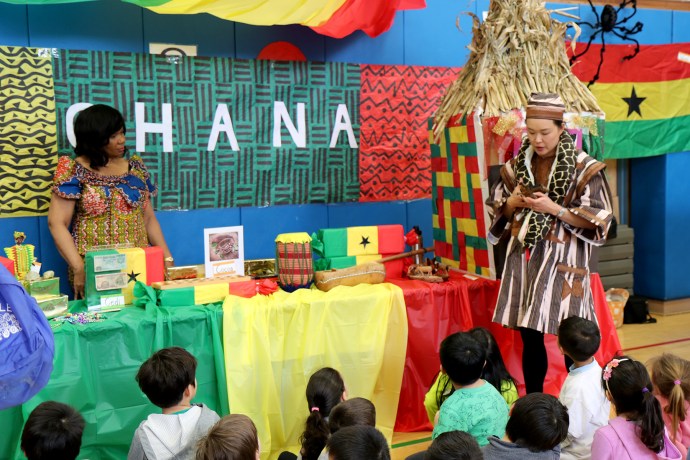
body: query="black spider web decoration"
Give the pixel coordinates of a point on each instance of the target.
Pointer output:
(609, 22)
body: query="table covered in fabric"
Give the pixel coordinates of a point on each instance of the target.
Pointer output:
(435, 311)
(274, 343)
(94, 371)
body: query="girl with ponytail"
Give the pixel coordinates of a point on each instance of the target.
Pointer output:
(638, 431)
(671, 378)
(325, 390)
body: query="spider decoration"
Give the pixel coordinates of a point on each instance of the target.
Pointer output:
(609, 22)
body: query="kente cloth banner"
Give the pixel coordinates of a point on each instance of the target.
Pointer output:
(28, 150)
(219, 132)
(279, 341)
(646, 99)
(335, 18)
(459, 189)
(395, 104)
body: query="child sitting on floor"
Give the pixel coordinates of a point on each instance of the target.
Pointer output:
(168, 378)
(233, 437)
(454, 445)
(359, 442)
(638, 431)
(355, 411)
(494, 372)
(582, 394)
(52, 431)
(537, 426)
(475, 406)
(325, 390)
(671, 379)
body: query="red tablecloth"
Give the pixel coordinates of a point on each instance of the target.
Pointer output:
(436, 310)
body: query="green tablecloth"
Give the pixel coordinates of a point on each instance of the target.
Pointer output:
(94, 371)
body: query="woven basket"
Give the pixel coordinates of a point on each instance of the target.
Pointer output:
(616, 299)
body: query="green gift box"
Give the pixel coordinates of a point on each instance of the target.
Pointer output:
(50, 286)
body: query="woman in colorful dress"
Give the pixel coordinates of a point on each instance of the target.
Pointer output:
(554, 204)
(101, 194)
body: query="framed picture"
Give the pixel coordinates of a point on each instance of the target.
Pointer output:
(224, 251)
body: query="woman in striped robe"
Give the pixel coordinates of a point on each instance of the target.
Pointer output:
(554, 204)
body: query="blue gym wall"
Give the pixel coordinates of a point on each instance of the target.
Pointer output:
(419, 37)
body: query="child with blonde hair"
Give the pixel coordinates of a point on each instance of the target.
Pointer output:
(671, 378)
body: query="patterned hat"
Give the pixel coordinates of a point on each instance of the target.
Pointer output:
(547, 106)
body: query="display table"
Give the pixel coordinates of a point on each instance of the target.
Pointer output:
(272, 344)
(94, 371)
(435, 311)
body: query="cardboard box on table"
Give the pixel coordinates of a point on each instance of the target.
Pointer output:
(350, 246)
(105, 267)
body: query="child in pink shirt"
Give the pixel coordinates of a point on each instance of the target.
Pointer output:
(638, 432)
(671, 378)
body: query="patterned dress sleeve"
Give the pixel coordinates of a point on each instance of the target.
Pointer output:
(66, 183)
(139, 170)
(592, 202)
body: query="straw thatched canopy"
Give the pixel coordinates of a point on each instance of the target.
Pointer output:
(519, 49)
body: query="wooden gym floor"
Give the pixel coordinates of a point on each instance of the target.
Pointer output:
(641, 341)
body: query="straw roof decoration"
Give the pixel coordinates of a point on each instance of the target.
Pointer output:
(519, 49)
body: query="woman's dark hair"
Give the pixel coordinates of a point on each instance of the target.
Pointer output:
(538, 421)
(454, 445)
(358, 442)
(92, 129)
(355, 411)
(324, 391)
(462, 357)
(233, 437)
(631, 391)
(558, 123)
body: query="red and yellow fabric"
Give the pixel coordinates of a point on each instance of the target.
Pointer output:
(278, 341)
(141, 264)
(335, 18)
(646, 99)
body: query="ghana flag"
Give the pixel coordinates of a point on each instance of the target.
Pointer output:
(646, 99)
(335, 18)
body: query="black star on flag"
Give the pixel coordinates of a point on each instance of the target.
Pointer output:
(634, 102)
(133, 276)
(365, 241)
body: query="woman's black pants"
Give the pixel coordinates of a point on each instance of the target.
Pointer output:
(534, 360)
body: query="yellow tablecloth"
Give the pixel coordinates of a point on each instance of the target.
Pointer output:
(274, 343)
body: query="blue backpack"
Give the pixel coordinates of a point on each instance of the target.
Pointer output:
(26, 344)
